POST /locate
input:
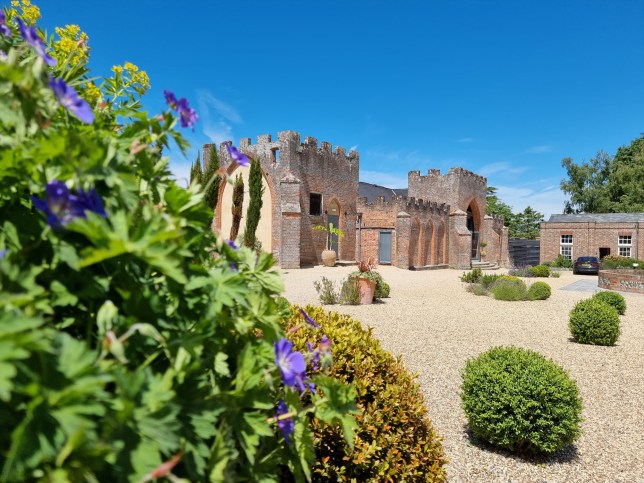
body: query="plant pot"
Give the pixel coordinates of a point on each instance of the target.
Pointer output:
(328, 258)
(367, 288)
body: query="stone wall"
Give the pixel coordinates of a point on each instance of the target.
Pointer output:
(624, 280)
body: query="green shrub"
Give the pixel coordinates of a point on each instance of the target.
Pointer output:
(488, 280)
(350, 291)
(594, 321)
(612, 298)
(327, 291)
(509, 288)
(395, 440)
(539, 291)
(518, 400)
(613, 261)
(476, 289)
(472, 277)
(540, 271)
(382, 290)
(559, 262)
(555, 274)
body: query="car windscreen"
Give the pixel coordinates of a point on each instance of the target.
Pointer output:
(587, 259)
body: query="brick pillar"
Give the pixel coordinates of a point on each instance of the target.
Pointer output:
(290, 222)
(403, 234)
(460, 241)
(505, 248)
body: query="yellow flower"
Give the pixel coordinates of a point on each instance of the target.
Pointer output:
(72, 45)
(117, 69)
(30, 13)
(142, 79)
(91, 93)
(131, 67)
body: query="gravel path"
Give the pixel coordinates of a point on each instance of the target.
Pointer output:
(436, 325)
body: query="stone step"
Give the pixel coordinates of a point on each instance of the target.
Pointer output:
(485, 265)
(429, 267)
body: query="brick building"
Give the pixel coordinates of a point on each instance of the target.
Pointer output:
(438, 221)
(592, 234)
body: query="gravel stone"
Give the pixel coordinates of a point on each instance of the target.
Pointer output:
(436, 326)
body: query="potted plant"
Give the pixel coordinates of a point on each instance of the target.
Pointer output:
(366, 278)
(328, 255)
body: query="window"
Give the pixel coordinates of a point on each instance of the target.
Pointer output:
(624, 243)
(315, 204)
(565, 246)
(276, 155)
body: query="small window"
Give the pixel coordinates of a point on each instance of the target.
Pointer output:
(565, 247)
(276, 155)
(566, 239)
(624, 243)
(315, 204)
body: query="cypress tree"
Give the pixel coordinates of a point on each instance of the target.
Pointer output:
(255, 192)
(238, 201)
(198, 174)
(211, 179)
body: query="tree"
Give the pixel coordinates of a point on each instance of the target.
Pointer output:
(196, 174)
(605, 184)
(255, 193)
(494, 206)
(238, 201)
(525, 224)
(211, 179)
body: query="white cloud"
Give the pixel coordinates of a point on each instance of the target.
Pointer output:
(217, 117)
(353, 148)
(389, 180)
(544, 148)
(547, 201)
(502, 167)
(181, 171)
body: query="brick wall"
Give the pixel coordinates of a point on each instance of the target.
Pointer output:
(589, 237)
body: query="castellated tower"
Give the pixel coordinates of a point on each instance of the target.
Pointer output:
(305, 184)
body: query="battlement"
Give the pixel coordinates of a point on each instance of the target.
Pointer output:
(405, 203)
(435, 174)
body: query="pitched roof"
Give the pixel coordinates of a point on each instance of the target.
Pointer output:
(598, 218)
(371, 191)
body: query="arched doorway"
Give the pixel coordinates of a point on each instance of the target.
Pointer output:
(473, 225)
(333, 216)
(263, 233)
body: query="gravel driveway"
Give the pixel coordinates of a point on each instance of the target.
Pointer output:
(436, 325)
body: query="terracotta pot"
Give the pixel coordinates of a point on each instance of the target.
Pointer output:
(367, 289)
(328, 258)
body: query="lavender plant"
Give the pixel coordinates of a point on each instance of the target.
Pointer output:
(135, 344)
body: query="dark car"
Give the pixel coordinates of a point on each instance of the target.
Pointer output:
(586, 265)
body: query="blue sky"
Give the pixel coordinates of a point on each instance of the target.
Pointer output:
(504, 88)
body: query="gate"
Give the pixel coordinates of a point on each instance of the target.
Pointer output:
(335, 220)
(476, 244)
(384, 247)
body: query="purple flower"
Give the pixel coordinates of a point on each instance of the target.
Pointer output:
(291, 364)
(61, 206)
(286, 425)
(325, 344)
(2, 254)
(187, 115)
(309, 319)
(237, 156)
(3, 56)
(31, 37)
(4, 30)
(232, 245)
(70, 100)
(315, 359)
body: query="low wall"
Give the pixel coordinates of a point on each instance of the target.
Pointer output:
(624, 280)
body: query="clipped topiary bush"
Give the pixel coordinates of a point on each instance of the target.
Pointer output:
(540, 271)
(518, 400)
(594, 321)
(509, 288)
(539, 291)
(395, 440)
(612, 298)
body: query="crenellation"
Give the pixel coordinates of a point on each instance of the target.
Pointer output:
(244, 142)
(325, 147)
(264, 138)
(340, 151)
(311, 142)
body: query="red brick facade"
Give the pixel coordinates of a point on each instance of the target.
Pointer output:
(431, 227)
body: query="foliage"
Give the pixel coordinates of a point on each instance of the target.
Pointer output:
(472, 277)
(477, 289)
(395, 440)
(327, 291)
(524, 224)
(509, 289)
(518, 400)
(382, 289)
(238, 201)
(255, 193)
(612, 298)
(594, 321)
(605, 184)
(613, 261)
(196, 173)
(211, 179)
(134, 343)
(559, 262)
(350, 291)
(541, 271)
(489, 279)
(521, 272)
(539, 291)
(330, 230)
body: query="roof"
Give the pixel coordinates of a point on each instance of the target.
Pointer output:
(371, 191)
(598, 218)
